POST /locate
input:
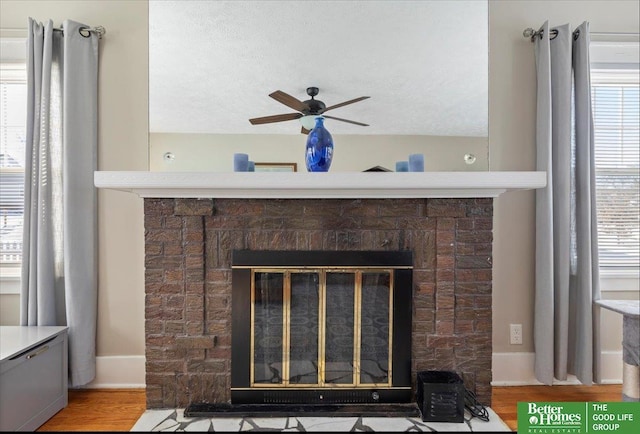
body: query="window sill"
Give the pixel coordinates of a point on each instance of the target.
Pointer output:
(619, 280)
(10, 280)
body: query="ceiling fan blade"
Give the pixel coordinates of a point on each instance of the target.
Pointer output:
(289, 100)
(345, 120)
(304, 131)
(351, 101)
(275, 118)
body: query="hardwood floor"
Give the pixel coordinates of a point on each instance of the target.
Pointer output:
(119, 409)
(99, 410)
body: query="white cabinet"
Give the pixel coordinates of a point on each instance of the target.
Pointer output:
(33, 375)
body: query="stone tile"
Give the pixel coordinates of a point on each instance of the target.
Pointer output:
(174, 420)
(167, 425)
(293, 425)
(327, 424)
(151, 418)
(227, 424)
(446, 427)
(272, 423)
(387, 424)
(199, 425)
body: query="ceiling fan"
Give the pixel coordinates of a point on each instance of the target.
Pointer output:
(311, 107)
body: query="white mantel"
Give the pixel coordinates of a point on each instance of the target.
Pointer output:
(304, 185)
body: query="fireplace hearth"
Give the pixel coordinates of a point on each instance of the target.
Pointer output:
(302, 410)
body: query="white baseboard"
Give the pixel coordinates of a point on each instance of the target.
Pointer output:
(509, 369)
(119, 372)
(516, 369)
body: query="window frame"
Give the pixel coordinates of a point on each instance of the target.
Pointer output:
(13, 69)
(616, 59)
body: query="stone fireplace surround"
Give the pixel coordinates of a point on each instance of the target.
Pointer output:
(193, 220)
(188, 245)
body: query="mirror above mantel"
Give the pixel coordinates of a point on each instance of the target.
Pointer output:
(213, 64)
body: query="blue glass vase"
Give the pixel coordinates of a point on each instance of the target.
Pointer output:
(319, 148)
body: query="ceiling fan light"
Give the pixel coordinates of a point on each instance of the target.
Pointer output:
(308, 122)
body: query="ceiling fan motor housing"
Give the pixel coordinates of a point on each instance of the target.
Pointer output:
(315, 106)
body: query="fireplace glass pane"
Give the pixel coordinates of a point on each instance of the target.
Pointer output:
(303, 330)
(339, 339)
(374, 331)
(268, 325)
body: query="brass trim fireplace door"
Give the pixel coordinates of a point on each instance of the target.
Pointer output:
(321, 327)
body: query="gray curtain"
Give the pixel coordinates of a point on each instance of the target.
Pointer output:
(59, 270)
(566, 336)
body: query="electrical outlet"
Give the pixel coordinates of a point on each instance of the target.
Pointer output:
(516, 334)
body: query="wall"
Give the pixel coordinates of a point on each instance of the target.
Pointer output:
(122, 145)
(512, 86)
(214, 152)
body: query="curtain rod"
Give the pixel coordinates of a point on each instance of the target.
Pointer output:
(84, 31)
(530, 33)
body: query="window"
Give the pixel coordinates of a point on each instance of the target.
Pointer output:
(616, 116)
(13, 102)
(13, 116)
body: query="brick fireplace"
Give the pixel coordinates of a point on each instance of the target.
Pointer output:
(188, 248)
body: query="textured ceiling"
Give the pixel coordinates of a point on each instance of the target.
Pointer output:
(424, 64)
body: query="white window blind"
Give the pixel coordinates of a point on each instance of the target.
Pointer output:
(616, 116)
(13, 115)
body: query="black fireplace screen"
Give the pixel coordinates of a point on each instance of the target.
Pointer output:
(321, 325)
(322, 328)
